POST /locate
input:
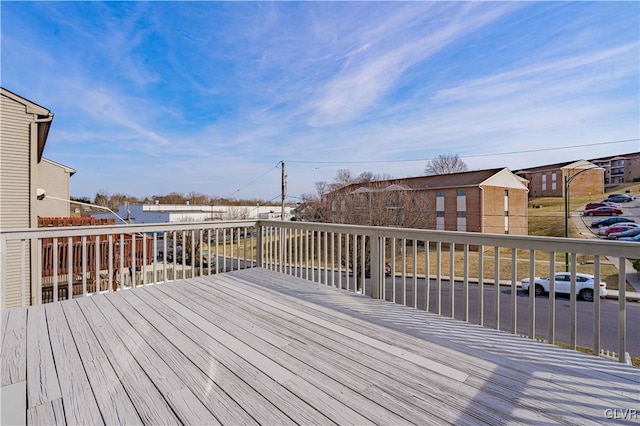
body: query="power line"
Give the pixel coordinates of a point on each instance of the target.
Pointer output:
(466, 156)
(255, 180)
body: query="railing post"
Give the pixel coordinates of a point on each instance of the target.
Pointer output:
(375, 266)
(259, 248)
(622, 314)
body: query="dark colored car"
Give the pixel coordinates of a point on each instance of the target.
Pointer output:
(628, 233)
(610, 221)
(633, 239)
(619, 198)
(603, 211)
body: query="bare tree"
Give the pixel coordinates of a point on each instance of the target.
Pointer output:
(445, 164)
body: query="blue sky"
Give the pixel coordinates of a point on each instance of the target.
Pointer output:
(154, 97)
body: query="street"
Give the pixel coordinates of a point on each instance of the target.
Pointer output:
(608, 309)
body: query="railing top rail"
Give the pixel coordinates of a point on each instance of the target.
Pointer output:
(569, 245)
(74, 231)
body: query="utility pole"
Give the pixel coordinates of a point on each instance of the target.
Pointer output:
(283, 191)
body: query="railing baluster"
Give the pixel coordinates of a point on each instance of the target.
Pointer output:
(427, 275)
(552, 298)
(596, 305)
(121, 266)
(238, 249)
(622, 315)
(55, 269)
(363, 244)
(347, 237)
(532, 294)
(452, 278)
(200, 252)
(175, 255)
(333, 250)
(465, 278)
(224, 249)
(134, 261)
(415, 274)
(70, 267)
(404, 271)
(164, 257)
(393, 270)
(38, 296)
(296, 250)
(340, 260)
(514, 291)
(496, 287)
(439, 278)
(110, 239)
(573, 304)
(480, 285)
(84, 265)
(325, 253)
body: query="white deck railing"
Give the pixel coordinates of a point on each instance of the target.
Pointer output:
(384, 263)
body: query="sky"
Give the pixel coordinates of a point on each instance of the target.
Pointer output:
(155, 97)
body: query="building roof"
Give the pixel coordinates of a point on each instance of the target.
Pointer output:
(66, 168)
(452, 180)
(615, 157)
(33, 108)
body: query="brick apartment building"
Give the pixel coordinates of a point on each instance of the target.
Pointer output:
(585, 178)
(620, 168)
(487, 201)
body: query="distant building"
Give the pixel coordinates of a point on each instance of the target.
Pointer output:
(548, 180)
(487, 201)
(620, 168)
(54, 179)
(176, 213)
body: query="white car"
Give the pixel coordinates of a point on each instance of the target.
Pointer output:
(584, 285)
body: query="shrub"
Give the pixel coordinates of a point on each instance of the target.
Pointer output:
(636, 264)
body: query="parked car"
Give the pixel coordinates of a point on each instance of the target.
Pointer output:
(611, 203)
(610, 221)
(592, 206)
(618, 227)
(634, 239)
(628, 233)
(620, 198)
(603, 211)
(584, 285)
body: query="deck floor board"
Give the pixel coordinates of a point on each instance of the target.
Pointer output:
(260, 347)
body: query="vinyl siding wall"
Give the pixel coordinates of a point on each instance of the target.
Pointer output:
(15, 188)
(55, 180)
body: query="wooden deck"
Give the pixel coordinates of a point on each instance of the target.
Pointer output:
(258, 347)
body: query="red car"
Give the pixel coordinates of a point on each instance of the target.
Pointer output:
(592, 206)
(603, 211)
(621, 227)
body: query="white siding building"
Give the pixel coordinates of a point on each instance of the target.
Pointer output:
(54, 178)
(24, 127)
(174, 213)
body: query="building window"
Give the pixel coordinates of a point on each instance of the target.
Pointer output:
(440, 193)
(462, 214)
(506, 192)
(506, 212)
(553, 181)
(544, 182)
(439, 214)
(461, 192)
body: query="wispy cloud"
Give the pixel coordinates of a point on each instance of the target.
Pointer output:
(205, 96)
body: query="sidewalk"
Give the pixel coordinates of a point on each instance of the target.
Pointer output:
(632, 277)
